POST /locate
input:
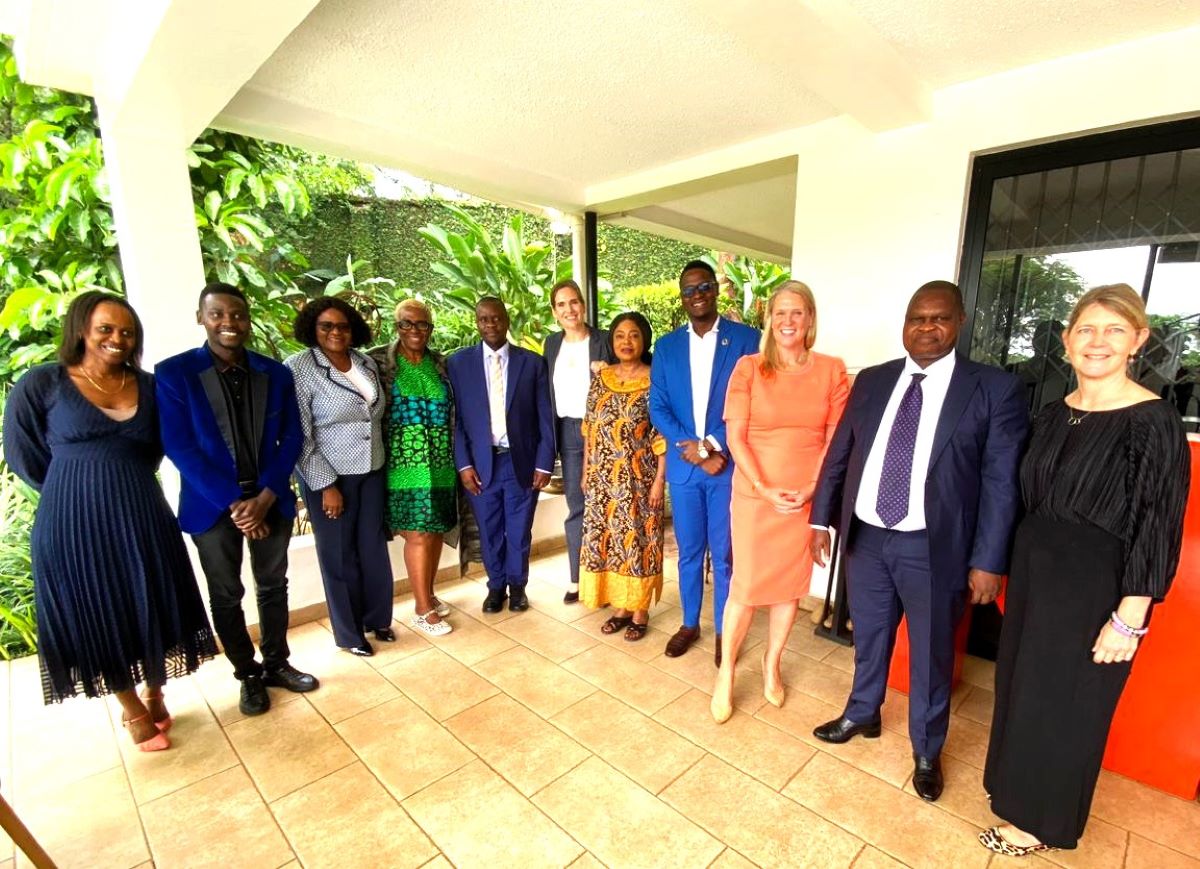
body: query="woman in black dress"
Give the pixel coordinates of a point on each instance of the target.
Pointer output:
(117, 602)
(1105, 483)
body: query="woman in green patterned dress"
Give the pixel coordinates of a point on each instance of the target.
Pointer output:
(422, 499)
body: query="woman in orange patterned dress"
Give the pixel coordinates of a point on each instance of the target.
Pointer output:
(624, 474)
(780, 412)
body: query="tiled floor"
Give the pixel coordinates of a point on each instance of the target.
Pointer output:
(526, 740)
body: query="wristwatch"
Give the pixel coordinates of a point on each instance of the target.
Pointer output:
(702, 451)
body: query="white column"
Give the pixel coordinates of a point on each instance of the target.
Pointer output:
(156, 232)
(578, 258)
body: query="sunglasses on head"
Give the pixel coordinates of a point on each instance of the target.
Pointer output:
(691, 290)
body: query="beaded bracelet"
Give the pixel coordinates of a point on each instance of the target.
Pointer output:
(1125, 630)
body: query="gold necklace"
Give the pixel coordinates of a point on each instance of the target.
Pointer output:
(1072, 419)
(99, 388)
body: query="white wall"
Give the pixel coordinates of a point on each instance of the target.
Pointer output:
(877, 215)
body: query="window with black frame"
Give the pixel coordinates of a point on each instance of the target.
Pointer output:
(1048, 222)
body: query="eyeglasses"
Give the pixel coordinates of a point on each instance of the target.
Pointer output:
(409, 325)
(706, 287)
(333, 327)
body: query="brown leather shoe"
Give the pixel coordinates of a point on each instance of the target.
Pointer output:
(681, 641)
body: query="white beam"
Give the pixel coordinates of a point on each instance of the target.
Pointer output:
(831, 51)
(175, 71)
(682, 227)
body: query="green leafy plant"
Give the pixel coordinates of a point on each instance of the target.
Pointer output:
(373, 297)
(658, 303)
(18, 622)
(748, 283)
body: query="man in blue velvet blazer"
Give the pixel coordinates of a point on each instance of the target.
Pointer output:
(688, 379)
(920, 480)
(503, 448)
(231, 425)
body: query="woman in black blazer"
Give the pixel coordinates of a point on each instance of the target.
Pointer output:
(573, 355)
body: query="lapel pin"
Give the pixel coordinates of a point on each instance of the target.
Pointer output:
(724, 342)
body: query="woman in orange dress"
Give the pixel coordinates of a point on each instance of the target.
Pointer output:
(780, 412)
(624, 475)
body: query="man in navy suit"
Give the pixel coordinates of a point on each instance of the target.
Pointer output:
(921, 482)
(503, 448)
(688, 379)
(231, 425)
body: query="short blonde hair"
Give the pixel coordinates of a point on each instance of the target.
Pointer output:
(415, 305)
(1122, 299)
(768, 347)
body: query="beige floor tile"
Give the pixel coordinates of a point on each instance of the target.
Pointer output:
(967, 740)
(649, 646)
(403, 746)
(901, 825)
(641, 686)
(370, 828)
(1144, 854)
(840, 657)
(894, 713)
(471, 641)
(758, 749)
(349, 685)
(1034, 861)
(979, 673)
(544, 687)
(641, 748)
(769, 829)
(407, 642)
(467, 596)
(608, 829)
(438, 683)
(546, 635)
(816, 678)
(218, 822)
(699, 672)
(731, 859)
(1154, 815)
(804, 641)
(514, 742)
(439, 862)
(59, 744)
(670, 592)
(464, 811)
(111, 835)
(547, 599)
(963, 795)
(977, 706)
(1102, 845)
(889, 757)
(873, 858)
(221, 691)
(198, 746)
(666, 620)
(288, 748)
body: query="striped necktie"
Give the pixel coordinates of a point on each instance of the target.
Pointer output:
(496, 400)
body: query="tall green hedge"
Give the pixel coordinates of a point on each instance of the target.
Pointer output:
(383, 232)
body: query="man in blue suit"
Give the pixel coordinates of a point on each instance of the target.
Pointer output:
(921, 482)
(503, 448)
(231, 425)
(688, 378)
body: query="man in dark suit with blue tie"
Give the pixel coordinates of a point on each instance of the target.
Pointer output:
(503, 448)
(921, 482)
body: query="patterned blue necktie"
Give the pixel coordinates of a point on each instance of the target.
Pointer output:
(896, 480)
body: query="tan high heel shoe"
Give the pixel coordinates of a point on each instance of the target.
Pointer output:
(157, 742)
(775, 698)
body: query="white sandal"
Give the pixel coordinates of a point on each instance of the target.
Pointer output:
(433, 629)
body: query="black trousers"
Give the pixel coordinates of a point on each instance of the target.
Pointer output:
(220, 549)
(352, 552)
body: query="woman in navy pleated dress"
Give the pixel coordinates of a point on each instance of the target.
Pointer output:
(117, 601)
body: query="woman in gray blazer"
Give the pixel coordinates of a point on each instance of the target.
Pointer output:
(341, 469)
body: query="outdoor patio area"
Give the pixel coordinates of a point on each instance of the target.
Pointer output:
(527, 740)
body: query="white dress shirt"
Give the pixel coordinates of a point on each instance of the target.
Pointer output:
(702, 350)
(488, 355)
(933, 396)
(572, 378)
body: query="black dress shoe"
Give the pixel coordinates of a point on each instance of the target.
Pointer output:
(287, 676)
(571, 597)
(517, 601)
(494, 602)
(363, 650)
(717, 653)
(927, 777)
(385, 635)
(254, 699)
(843, 730)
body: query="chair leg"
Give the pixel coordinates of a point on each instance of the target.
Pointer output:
(22, 838)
